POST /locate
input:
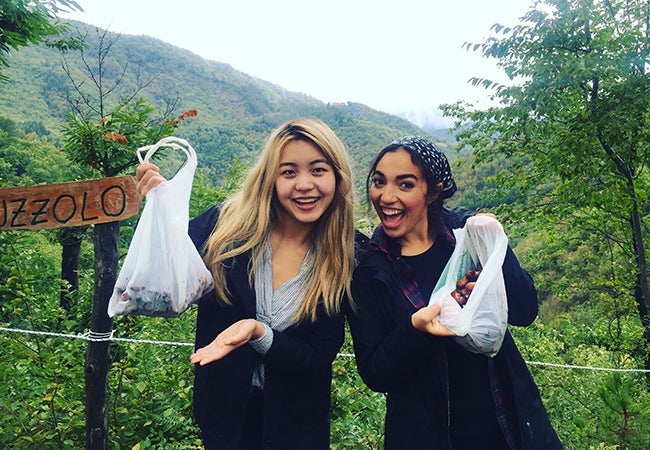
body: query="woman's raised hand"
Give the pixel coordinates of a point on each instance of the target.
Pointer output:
(147, 177)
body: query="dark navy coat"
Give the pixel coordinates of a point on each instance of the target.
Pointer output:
(297, 367)
(409, 365)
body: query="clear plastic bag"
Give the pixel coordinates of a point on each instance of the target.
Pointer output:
(479, 319)
(163, 273)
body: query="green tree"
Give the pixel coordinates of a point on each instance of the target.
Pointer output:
(101, 134)
(25, 159)
(24, 22)
(575, 124)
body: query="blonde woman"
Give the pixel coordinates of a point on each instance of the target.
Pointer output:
(282, 254)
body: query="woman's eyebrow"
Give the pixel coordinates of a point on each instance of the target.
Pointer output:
(398, 177)
(406, 175)
(311, 163)
(319, 161)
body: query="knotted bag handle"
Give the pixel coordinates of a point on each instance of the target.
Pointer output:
(171, 142)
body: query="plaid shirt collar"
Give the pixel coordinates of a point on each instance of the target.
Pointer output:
(409, 287)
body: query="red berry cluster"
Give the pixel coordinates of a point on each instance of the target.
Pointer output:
(465, 285)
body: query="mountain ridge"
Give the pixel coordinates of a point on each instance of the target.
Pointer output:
(237, 111)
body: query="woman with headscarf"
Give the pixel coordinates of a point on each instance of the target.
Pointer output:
(439, 395)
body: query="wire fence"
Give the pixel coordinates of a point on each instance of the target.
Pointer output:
(103, 337)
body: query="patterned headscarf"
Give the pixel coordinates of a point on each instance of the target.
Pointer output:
(435, 162)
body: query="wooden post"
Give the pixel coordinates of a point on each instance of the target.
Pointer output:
(105, 241)
(70, 239)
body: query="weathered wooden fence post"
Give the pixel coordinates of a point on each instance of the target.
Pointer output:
(97, 357)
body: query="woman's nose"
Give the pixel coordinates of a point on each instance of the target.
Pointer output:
(388, 194)
(304, 182)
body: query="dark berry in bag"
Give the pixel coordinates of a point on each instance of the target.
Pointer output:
(465, 285)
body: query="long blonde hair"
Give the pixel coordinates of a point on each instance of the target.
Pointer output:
(247, 218)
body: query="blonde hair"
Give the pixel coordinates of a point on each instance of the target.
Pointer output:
(247, 218)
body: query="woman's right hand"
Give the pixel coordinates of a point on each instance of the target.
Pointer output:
(147, 177)
(426, 320)
(233, 337)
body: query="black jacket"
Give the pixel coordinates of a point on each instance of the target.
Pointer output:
(408, 365)
(297, 367)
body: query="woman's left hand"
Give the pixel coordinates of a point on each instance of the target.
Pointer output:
(233, 337)
(426, 320)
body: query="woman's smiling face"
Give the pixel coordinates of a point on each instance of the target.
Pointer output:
(305, 184)
(399, 195)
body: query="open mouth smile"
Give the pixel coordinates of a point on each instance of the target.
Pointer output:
(391, 212)
(306, 201)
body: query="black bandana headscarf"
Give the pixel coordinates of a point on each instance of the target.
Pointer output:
(435, 162)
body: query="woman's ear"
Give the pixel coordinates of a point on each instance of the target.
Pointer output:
(433, 196)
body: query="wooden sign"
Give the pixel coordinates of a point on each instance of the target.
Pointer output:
(69, 204)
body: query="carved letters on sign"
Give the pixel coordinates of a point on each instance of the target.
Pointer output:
(69, 204)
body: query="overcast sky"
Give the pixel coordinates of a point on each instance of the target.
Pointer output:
(394, 56)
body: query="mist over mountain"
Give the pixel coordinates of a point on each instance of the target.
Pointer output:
(427, 118)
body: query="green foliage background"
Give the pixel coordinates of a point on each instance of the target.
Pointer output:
(585, 318)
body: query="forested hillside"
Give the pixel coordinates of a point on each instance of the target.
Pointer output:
(236, 111)
(586, 350)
